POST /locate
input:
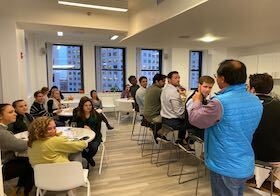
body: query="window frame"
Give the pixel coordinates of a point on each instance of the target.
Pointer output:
(138, 63)
(50, 68)
(100, 69)
(199, 70)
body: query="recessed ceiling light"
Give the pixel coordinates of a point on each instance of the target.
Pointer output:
(208, 38)
(59, 33)
(92, 6)
(114, 37)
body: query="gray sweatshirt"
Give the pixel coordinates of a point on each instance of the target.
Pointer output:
(9, 144)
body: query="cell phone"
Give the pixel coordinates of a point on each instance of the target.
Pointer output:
(84, 138)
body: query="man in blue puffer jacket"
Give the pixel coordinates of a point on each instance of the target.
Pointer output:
(230, 120)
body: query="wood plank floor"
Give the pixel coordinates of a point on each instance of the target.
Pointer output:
(127, 173)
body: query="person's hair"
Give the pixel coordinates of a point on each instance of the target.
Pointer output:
(233, 71)
(142, 78)
(171, 74)
(44, 90)
(130, 78)
(14, 104)
(80, 109)
(206, 79)
(158, 77)
(94, 91)
(37, 93)
(54, 90)
(263, 83)
(2, 107)
(38, 129)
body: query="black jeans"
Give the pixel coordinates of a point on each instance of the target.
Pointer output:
(177, 124)
(91, 150)
(19, 167)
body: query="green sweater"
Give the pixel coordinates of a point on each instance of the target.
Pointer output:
(53, 150)
(152, 102)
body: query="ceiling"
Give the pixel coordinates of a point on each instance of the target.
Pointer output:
(239, 23)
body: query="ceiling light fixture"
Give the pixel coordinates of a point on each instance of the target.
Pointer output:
(92, 6)
(208, 38)
(59, 33)
(114, 37)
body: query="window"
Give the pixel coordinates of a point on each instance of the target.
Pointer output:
(65, 67)
(149, 63)
(195, 68)
(110, 69)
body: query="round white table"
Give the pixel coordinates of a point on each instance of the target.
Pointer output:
(68, 112)
(70, 103)
(125, 100)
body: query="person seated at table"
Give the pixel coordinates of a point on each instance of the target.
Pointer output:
(45, 91)
(55, 88)
(126, 92)
(205, 84)
(86, 117)
(97, 104)
(23, 117)
(37, 109)
(13, 166)
(267, 136)
(45, 145)
(53, 103)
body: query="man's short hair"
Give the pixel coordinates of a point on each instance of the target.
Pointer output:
(142, 78)
(158, 77)
(233, 71)
(130, 78)
(206, 79)
(169, 76)
(263, 83)
(37, 93)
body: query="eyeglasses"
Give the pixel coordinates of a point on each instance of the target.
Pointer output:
(215, 75)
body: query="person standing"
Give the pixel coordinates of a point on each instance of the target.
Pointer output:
(230, 119)
(267, 136)
(172, 107)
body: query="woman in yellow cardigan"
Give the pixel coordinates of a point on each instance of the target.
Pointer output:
(46, 146)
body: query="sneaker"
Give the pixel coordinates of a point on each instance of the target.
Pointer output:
(163, 139)
(252, 182)
(266, 187)
(185, 146)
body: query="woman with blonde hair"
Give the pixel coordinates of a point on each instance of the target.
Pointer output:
(46, 146)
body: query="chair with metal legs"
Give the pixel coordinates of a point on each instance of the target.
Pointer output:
(198, 154)
(171, 134)
(266, 165)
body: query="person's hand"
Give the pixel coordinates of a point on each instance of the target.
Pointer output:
(58, 111)
(87, 127)
(197, 96)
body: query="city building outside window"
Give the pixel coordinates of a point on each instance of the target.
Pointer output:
(194, 68)
(110, 69)
(149, 63)
(65, 67)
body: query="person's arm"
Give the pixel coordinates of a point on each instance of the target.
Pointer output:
(9, 142)
(63, 144)
(177, 106)
(204, 116)
(50, 105)
(101, 106)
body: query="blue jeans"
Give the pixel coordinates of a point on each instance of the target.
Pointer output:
(223, 185)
